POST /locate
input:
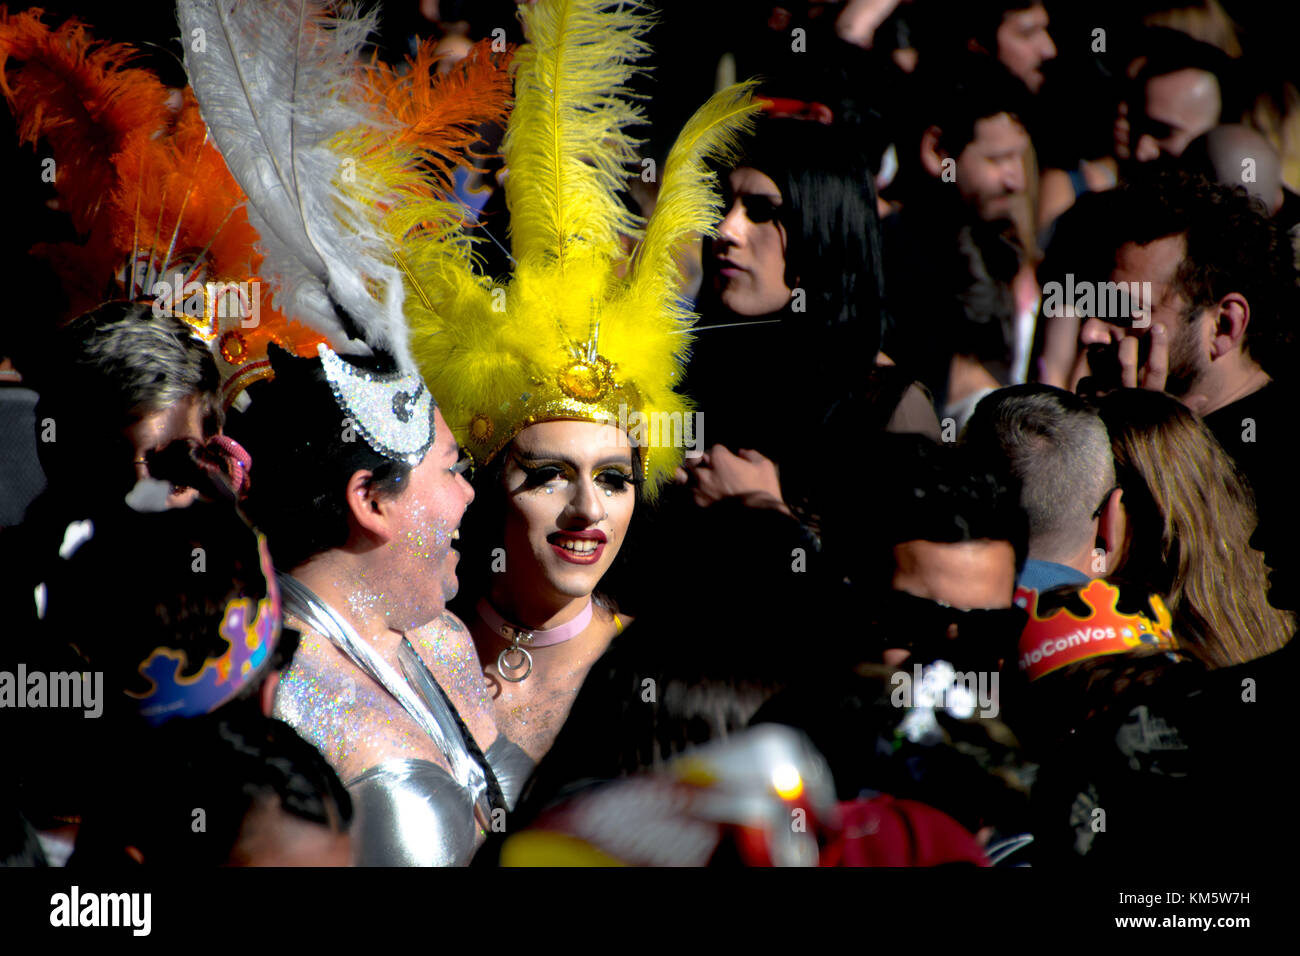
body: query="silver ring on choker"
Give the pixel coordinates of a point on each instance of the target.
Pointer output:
(501, 663)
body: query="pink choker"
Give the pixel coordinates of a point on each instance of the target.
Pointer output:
(521, 638)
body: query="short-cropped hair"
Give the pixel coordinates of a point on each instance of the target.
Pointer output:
(1058, 447)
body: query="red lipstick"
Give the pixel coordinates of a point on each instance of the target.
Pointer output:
(578, 547)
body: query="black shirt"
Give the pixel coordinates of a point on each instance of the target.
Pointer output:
(1258, 431)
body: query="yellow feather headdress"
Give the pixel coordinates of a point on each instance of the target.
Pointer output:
(584, 329)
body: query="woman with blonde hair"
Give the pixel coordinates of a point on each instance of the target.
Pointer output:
(1190, 516)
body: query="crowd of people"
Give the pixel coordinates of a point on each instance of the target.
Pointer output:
(440, 446)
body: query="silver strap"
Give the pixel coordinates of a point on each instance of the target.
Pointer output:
(428, 709)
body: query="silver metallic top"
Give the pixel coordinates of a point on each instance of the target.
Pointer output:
(410, 811)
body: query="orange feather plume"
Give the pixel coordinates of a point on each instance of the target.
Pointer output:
(176, 201)
(439, 115)
(137, 179)
(85, 273)
(77, 95)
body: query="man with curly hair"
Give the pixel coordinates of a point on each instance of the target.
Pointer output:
(1217, 332)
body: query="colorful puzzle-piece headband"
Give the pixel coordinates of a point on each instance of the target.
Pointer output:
(251, 628)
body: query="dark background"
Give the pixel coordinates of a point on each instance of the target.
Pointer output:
(688, 41)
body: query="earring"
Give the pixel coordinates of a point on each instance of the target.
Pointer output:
(550, 491)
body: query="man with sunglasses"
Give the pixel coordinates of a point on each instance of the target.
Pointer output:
(1057, 446)
(950, 547)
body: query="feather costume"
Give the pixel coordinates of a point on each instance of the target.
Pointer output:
(324, 147)
(80, 98)
(145, 186)
(582, 330)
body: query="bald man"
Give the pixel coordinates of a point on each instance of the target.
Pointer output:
(1238, 155)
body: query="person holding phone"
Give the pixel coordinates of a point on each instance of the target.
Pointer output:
(1217, 331)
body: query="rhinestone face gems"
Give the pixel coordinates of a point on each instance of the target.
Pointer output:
(393, 412)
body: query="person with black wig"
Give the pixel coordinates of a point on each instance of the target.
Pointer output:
(793, 291)
(792, 305)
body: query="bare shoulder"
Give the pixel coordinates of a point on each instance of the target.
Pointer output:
(446, 635)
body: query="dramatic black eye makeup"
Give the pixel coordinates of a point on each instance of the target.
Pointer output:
(617, 479)
(615, 475)
(760, 209)
(538, 474)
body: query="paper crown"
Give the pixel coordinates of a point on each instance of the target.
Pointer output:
(251, 628)
(584, 329)
(1050, 642)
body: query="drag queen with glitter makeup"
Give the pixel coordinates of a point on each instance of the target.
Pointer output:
(555, 508)
(561, 382)
(361, 486)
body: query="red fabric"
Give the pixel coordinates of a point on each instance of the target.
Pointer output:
(778, 107)
(888, 832)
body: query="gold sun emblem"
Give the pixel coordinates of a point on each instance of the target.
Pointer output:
(586, 381)
(480, 428)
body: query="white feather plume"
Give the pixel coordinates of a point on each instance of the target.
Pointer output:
(276, 85)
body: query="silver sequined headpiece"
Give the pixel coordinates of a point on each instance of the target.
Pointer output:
(393, 412)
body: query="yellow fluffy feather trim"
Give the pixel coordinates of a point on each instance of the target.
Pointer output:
(583, 329)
